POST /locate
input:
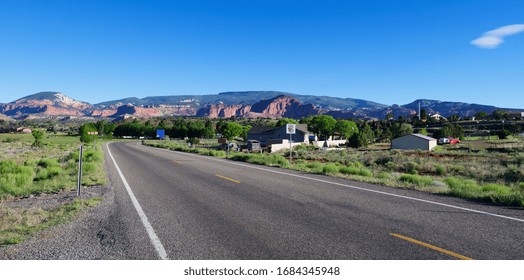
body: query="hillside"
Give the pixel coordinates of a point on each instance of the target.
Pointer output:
(267, 104)
(447, 108)
(246, 98)
(45, 104)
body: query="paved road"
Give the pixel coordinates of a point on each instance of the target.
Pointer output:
(200, 207)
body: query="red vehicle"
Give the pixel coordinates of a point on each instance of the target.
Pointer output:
(450, 140)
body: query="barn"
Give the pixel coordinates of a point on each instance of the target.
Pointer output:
(414, 142)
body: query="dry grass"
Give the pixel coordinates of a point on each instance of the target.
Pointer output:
(17, 224)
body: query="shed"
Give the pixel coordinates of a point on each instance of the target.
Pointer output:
(414, 142)
(24, 130)
(253, 146)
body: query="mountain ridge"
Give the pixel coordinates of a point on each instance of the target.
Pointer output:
(274, 104)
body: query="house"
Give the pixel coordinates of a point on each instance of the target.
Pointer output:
(414, 142)
(437, 117)
(24, 130)
(272, 135)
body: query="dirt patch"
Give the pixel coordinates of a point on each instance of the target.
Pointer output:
(52, 201)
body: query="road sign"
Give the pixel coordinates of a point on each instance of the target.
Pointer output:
(291, 128)
(160, 133)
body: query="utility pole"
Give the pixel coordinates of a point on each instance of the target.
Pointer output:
(419, 116)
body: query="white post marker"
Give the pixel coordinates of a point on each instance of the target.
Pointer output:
(80, 156)
(291, 129)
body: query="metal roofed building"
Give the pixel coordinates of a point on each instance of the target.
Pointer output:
(269, 134)
(414, 142)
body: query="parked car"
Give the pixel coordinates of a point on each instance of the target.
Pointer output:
(450, 140)
(442, 141)
(453, 141)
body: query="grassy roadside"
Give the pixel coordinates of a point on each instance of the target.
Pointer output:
(18, 224)
(52, 169)
(486, 177)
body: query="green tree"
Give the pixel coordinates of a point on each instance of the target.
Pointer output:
(499, 114)
(346, 128)
(450, 130)
(401, 129)
(363, 138)
(38, 135)
(481, 115)
(85, 131)
(105, 129)
(423, 114)
(209, 131)
(503, 134)
(323, 126)
(285, 121)
(179, 129)
(195, 129)
(423, 131)
(232, 130)
(454, 118)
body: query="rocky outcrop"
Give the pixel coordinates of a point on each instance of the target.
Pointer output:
(223, 111)
(282, 106)
(277, 107)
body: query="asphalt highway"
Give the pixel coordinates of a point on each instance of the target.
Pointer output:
(174, 205)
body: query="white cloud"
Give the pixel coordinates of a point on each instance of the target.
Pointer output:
(494, 38)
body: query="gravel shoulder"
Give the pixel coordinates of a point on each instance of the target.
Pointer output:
(111, 230)
(79, 239)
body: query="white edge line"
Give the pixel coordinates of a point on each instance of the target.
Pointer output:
(150, 231)
(350, 186)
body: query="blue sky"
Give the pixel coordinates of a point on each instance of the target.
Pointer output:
(391, 52)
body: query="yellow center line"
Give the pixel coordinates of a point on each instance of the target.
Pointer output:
(176, 161)
(444, 251)
(226, 178)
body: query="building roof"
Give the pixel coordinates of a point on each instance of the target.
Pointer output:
(420, 136)
(262, 129)
(270, 129)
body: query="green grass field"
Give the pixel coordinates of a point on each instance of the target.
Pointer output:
(26, 170)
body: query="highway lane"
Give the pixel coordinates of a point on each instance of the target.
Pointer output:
(209, 208)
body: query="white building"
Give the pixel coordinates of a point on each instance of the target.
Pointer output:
(414, 142)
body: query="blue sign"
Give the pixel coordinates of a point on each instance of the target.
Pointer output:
(160, 133)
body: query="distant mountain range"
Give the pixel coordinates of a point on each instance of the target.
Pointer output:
(271, 104)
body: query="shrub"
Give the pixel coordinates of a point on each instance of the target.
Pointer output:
(15, 179)
(440, 170)
(355, 170)
(417, 180)
(411, 167)
(9, 140)
(315, 167)
(48, 162)
(48, 173)
(330, 168)
(93, 156)
(463, 188)
(501, 194)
